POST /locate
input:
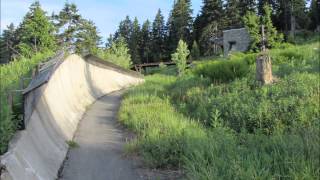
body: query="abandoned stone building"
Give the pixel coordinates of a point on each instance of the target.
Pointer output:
(235, 40)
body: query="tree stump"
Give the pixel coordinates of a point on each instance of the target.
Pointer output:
(264, 69)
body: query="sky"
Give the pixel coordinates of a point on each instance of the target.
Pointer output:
(105, 13)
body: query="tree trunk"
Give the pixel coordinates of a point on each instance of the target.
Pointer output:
(264, 69)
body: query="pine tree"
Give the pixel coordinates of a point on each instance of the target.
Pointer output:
(36, 32)
(209, 24)
(8, 42)
(180, 24)
(247, 5)
(68, 21)
(87, 39)
(109, 41)
(124, 30)
(271, 33)
(253, 23)
(315, 15)
(134, 42)
(158, 37)
(195, 51)
(145, 42)
(212, 11)
(233, 14)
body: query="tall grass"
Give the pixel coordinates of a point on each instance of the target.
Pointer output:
(10, 75)
(231, 128)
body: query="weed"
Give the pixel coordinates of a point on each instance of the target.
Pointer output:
(72, 144)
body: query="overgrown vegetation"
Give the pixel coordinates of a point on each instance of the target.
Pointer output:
(214, 127)
(180, 56)
(10, 75)
(118, 54)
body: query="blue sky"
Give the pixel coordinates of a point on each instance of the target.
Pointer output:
(105, 13)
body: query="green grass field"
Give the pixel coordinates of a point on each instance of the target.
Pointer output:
(217, 122)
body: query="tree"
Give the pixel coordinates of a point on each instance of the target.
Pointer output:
(145, 42)
(118, 53)
(87, 39)
(158, 37)
(232, 14)
(124, 30)
(68, 21)
(109, 41)
(134, 42)
(253, 24)
(208, 24)
(180, 56)
(180, 23)
(212, 10)
(195, 52)
(36, 32)
(271, 33)
(8, 42)
(247, 5)
(315, 15)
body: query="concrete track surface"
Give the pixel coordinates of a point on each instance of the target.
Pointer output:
(54, 103)
(101, 140)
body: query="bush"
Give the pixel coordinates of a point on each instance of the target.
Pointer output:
(180, 56)
(224, 70)
(10, 75)
(118, 54)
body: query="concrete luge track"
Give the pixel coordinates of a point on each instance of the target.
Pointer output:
(55, 102)
(101, 141)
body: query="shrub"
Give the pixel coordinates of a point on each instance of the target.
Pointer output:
(118, 54)
(10, 75)
(180, 56)
(223, 70)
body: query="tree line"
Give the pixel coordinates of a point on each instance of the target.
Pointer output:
(39, 32)
(154, 41)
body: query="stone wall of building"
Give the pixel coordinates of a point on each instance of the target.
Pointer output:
(235, 40)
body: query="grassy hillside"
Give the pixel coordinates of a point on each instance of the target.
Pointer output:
(217, 122)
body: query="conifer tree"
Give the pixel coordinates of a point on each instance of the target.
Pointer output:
(209, 24)
(87, 39)
(134, 42)
(180, 24)
(195, 51)
(68, 21)
(8, 42)
(109, 41)
(145, 42)
(212, 11)
(271, 33)
(315, 15)
(247, 5)
(233, 14)
(253, 23)
(158, 37)
(124, 30)
(36, 32)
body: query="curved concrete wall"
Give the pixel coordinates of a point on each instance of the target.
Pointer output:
(53, 111)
